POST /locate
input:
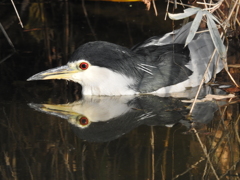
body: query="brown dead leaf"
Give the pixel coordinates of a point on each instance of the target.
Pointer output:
(232, 90)
(148, 3)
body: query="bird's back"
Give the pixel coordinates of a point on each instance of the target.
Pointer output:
(176, 67)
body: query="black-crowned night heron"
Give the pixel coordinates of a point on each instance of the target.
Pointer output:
(159, 65)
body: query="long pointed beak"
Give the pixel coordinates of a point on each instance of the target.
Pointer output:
(63, 72)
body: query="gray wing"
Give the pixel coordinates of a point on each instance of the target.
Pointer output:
(200, 52)
(165, 65)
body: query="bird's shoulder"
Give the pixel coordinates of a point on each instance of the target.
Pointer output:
(163, 66)
(165, 53)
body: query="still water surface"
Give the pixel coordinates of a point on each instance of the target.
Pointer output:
(48, 131)
(143, 137)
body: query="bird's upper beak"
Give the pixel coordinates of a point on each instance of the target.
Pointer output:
(63, 72)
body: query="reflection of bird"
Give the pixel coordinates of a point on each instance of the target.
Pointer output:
(159, 65)
(104, 118)
(92, 119)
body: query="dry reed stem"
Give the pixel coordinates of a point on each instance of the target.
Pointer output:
(17, 13)
(233, 166)
(206, 154)
(8, 56)
(165, 18)
(192, 167)
(154, 6)
(7, 37)
(152, 140)
(215, 5)
(182, 4)
(236, 14)
(203, 79)
(88, 21)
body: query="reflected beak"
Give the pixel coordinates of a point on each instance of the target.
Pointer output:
(62, 110)
(65, 111)
(63, 72)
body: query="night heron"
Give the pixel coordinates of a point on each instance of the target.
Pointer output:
(159, 65)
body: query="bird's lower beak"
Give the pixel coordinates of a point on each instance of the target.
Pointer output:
(63, 72)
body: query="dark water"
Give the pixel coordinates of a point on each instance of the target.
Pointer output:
(140, 137)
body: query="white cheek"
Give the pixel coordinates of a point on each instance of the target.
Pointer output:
(102, 81)
(93, 76)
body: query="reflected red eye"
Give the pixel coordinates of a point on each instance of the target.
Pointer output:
(83, 121)
(83, 65)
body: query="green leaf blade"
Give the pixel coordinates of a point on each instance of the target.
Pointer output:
(187, 12)
(194, 27)
(217, 41)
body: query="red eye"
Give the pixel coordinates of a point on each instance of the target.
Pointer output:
(83, 121)
(83, 65)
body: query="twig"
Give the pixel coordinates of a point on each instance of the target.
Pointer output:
(152, 154)
(231, 168)
(17, 13)
(4, 59)
(233, 80)
(181, 4)
(235, 129)
(166, 10)
(215, 5)
(154, 6)
(7, 37)
(8, 164)
(236, 15)
(86, 15)
(205, 152)
(192, 167)
(203, 79)
(205, 170)
(227, 4)
(83, 159)
(230, 14)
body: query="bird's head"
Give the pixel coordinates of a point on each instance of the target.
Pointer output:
(101, 68)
